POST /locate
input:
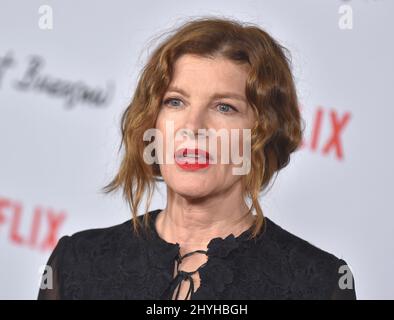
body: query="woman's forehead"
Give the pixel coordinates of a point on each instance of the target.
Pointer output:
(216, 75)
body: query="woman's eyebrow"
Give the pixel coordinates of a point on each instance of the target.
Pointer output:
(220, 95)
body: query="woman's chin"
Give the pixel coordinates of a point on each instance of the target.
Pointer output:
(192, 193)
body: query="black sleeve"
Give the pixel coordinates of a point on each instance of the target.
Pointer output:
(344, 286)
(51, 281)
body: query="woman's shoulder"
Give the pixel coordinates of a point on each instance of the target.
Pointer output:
(113, 237)
(80, 260)
(97, 235)
(307, 262)
(94, 245)
(289, 242)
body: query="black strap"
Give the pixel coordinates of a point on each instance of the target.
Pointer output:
(184, 275)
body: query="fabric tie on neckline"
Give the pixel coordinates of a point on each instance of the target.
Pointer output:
(183, 275)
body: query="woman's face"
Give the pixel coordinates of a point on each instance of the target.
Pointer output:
(203, 94)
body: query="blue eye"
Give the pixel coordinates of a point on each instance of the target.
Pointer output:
(227, 108)
(223, 107)
(166, 102)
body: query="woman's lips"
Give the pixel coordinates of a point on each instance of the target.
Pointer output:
(192, 159)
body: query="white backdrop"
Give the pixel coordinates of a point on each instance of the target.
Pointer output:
(62, 92)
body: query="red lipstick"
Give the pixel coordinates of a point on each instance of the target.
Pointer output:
(192, 159)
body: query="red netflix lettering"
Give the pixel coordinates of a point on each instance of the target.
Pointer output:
(43, 231)
(333, 142)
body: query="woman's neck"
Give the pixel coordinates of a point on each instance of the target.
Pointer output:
(193, 226)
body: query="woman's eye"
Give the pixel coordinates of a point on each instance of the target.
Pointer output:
(223, 107)
(167, 102)
(226, 108)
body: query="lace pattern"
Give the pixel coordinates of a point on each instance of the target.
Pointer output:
(113, 263)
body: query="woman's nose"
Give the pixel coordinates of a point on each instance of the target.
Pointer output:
(194, 120)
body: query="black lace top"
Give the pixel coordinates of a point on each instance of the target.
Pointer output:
(114, 263)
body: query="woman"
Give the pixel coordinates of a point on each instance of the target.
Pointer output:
(207, 243)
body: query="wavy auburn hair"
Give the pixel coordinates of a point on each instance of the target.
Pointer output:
(270, 91)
